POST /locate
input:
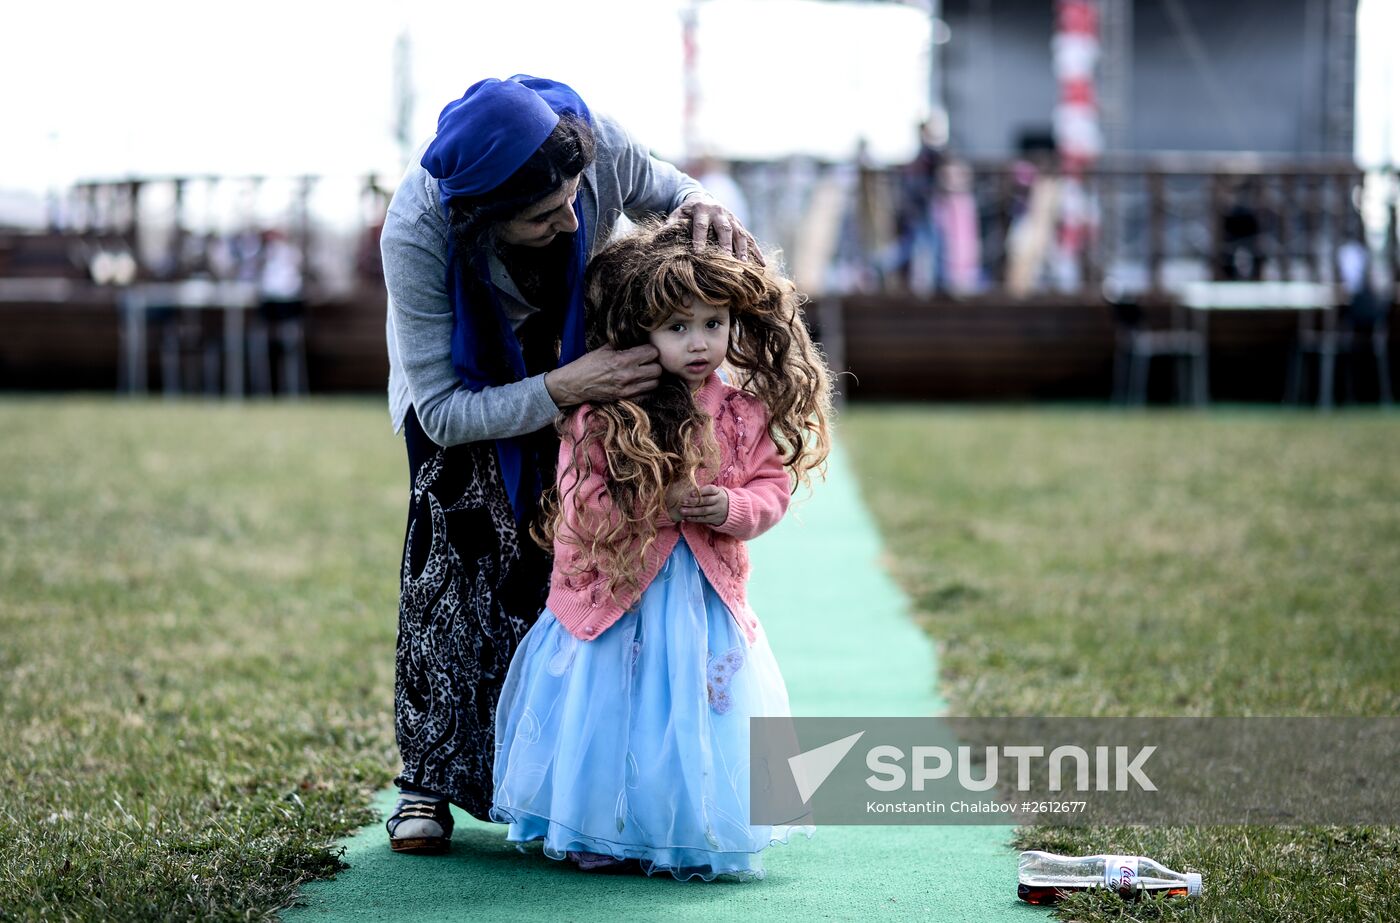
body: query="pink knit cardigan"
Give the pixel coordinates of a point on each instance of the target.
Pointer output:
(750, 471)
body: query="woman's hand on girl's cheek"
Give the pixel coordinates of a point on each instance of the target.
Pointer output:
(605, 374)
(711, 507)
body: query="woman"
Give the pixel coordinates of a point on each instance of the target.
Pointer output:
(484, 246)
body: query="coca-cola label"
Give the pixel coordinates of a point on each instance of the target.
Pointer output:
(1120, 873)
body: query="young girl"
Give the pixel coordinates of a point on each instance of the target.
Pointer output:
(622, 732)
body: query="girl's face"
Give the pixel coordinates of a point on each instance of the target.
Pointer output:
(538, 225)
(693, 341)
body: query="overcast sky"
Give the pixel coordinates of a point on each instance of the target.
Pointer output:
(288, 87)
(292, 86)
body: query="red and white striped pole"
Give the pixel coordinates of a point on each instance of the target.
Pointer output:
(690, 61)
(1078, 136)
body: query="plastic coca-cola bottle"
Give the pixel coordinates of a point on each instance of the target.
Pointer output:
(1046, 878)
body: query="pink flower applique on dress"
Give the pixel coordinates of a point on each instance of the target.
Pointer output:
(722, 668)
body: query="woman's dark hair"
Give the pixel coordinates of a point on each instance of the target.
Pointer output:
(568, 150)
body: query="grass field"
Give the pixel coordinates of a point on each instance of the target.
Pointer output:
(1245, 562)
(197, 618)
(197, 621)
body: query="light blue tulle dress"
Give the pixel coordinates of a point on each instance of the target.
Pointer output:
(635, 745)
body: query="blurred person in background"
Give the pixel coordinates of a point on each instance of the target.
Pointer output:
(918, 256)
(484, 248)
(1241, 253)
(281, 314)
(1365, 312)
(957, 227)
(279, 274)
(866, 246)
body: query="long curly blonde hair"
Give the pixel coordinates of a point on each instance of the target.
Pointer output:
(664, 438)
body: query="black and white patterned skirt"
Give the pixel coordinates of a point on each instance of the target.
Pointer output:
(472, 584)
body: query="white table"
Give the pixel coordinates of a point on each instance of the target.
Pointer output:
(1201, 298)
(233, 298)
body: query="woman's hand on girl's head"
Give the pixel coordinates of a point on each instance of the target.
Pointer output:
(710, 506)
(605, 374)
(706, 216)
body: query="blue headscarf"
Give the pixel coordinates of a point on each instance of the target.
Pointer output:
(482, 139)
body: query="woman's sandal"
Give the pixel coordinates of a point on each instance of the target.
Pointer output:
(439, 812)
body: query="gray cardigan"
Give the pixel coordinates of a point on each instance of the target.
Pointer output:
(624, 179)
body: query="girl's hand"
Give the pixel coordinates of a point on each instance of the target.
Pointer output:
(710, 506)
(676, 496)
